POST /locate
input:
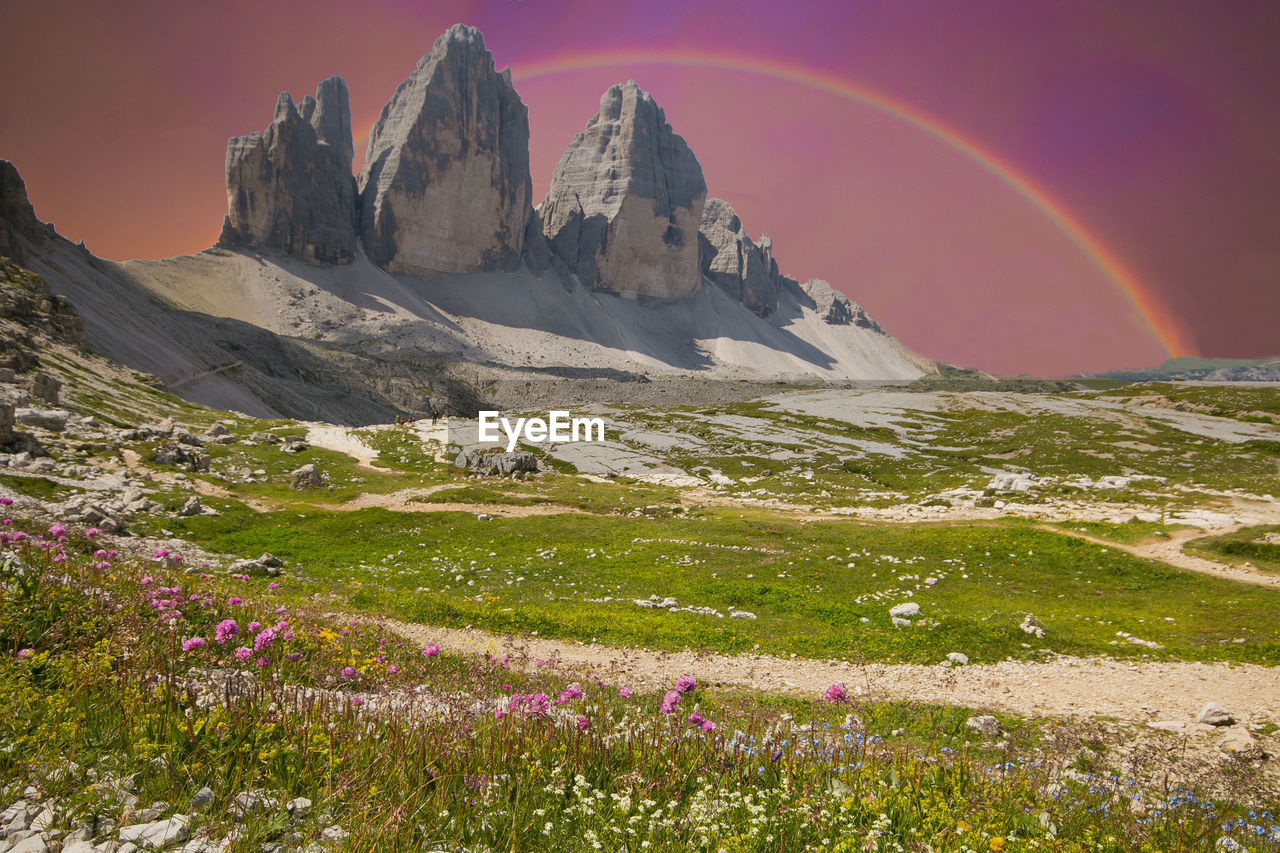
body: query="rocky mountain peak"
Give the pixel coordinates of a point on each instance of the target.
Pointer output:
(17, 217)
(626, 199)
(446, 184)
(290, 187)
(730, 259)
(837, 309)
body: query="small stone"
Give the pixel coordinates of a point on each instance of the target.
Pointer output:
(335, 833)
(298, 806)
(984, 724)
(33, 844)
(958, 658)
(156, 835)
(1214, 715)
(202, 799)
(906, 610)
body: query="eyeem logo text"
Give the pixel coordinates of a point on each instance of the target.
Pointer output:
(559, 427)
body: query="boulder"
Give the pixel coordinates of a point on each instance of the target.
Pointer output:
(906, 610)
(53, 420)
(626, 201)
(306, 477)
(290, 187)
(44, 387)
(446, 184)
(729, 258)
(496, 462)
(181, 456)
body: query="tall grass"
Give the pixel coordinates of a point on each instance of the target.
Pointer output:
(122, 684)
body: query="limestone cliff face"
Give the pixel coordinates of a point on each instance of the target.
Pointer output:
(731, 260)
(290, 187)
(446, 184)
(837, 309)
(626, 200)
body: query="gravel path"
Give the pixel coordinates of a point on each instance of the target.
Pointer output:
(1063, 687)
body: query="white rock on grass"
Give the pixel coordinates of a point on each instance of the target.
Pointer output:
(984, 724)
(158, 835)
(33, 844)
(958, 658)
(741, 614)
(906, 610)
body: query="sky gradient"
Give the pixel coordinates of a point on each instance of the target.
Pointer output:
(1043, 187)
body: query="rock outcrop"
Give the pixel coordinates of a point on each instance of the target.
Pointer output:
(17, 217)
(290, 187)
(626, 200)
(446, 184)
(730, 259)
(836, 308)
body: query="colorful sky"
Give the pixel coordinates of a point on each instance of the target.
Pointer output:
(1022, 186)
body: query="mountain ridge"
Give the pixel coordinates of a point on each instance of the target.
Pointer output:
(293, 313)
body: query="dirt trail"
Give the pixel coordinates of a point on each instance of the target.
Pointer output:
(1063, 687)
(1170, 551)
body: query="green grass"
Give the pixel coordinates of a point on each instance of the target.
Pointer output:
(1239, 547)
(450, 568)
(39, 488)
(1131, 532)
(96, 687)
(618, 496)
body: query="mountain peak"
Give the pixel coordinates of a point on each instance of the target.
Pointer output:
(626, 199)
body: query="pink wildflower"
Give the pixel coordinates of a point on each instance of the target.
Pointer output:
(91, 532)
(708, 726)
(147, 580)
(262, 662)
(357, 700)
(194, 643)
(670, 701)
(243, 653)
(226, 629)
(573, 691)
(393, 669)
(254, 627)
(696, 719)
(583, 724)
(25, 653)
(686, 684)
(836, 693)
(350, 673)
(6, 501)
(294, 656)
(234, 600)
(430, 650)
(263, 640)
(56, 530)
(624, 692)
(273, 585)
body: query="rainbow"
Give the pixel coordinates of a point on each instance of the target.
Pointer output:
(1162, 324)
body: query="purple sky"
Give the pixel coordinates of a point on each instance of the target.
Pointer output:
(1154, 123)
